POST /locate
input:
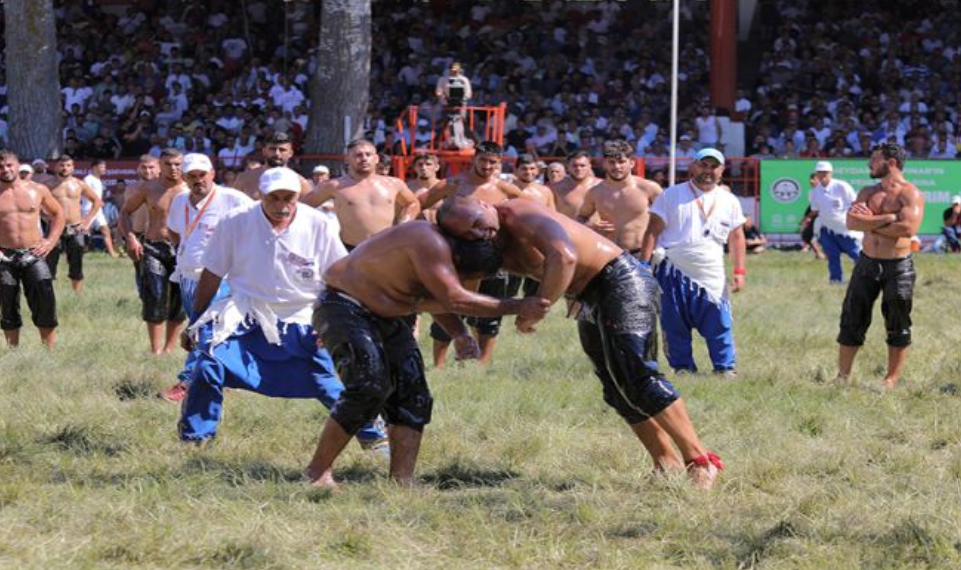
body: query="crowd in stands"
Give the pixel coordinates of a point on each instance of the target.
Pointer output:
(205, 76)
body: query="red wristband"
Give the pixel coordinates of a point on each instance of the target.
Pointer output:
(740, 271)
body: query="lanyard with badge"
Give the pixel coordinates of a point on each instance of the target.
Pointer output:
(705, 214)
(200, 214)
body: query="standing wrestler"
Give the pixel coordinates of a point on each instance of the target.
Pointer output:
(366, 202)
(22, 252)
(569, 192)
(889, 213)
(480, 182)
(162, 307)
(622, 200)
(147, 169)
(259, 338)
(692, 222)
(618, 329)
(525, 178)
(363, 318)
(426, 168)
(278, 150)
(68, 189)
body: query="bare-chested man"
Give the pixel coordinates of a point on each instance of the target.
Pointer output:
(68, 189)
(622, 200)
(162, 307)
(366, 202)
(147, 169)
(569, 192)
(480, 182)
(889, 213)
(426, 168)
(617, 332)
(278, 150)
(525, 178)
(363, 320)
(22, 252)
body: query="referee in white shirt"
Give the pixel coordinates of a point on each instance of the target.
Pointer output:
(830, 201)
(272, 255)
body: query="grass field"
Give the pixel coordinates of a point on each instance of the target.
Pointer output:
(523, 467)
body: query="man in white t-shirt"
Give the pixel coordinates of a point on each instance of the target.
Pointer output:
(692, 222)
(191, 221)
(273, 255)
(99, 224)
(830, 201)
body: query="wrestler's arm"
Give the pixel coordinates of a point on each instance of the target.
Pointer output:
(131, 204)
(861, 218)
(654, 228)
(435, 271)
(319, 195)
(908, 220)
(407, 203)
(511, 190)
(437, 192)
(587, 209)
(560, 257)
(96, 203)
(650, 188)
(54, 211)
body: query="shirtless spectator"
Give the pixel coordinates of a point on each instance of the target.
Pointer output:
(618, 331)
(622, 201)
(363, 318)
(162, 306)
(889, 213)
(68, 189)
(569, 193)
(22, 252)
(365, 202)
(277, 151)
(481, 182)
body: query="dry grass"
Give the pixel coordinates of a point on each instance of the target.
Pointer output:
(523, 467)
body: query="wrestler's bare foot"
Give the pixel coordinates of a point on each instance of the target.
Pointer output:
(405, 481)
(324, 480)
(890, 383)
(703, 470)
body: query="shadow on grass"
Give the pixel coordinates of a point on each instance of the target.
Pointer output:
(130, 388)
(459, 476)
(239, 473)
(83, 440)
(758, 547)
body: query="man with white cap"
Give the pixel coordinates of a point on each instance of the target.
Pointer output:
(692, 222)
(273, 255)
(319, 175)
(191, 221)
(952, 225)
(25, 173)
(830, 201)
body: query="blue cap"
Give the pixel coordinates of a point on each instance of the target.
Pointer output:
(709, 153)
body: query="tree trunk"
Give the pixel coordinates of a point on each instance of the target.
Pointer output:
(340, 87)
(33, 82)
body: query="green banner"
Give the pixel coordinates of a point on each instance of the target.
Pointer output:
(785, 187)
